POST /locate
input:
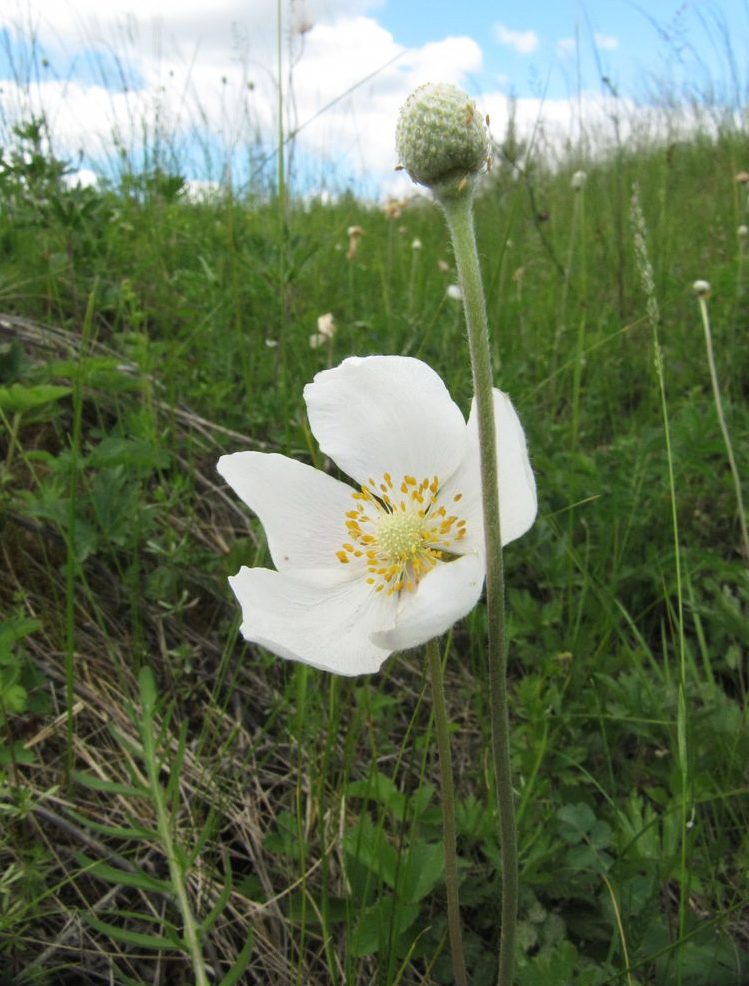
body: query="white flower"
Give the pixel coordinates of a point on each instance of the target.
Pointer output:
(301, 17)
(454, 292)
(701, 288)
(578, 180)
(326, 325)
(416, 244)
(326, 329)
(354, 234)
(387, 565)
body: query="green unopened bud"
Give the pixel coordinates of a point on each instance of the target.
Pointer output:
(441, 139)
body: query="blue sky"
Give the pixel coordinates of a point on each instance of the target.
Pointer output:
(200, 78)
(538, 43)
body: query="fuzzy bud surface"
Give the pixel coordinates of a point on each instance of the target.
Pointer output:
(441, 139)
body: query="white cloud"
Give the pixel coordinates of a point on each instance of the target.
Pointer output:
(187, 70)
(589, 122)
(200, 79)
(524, 42)
(606, 42)
(83, 178)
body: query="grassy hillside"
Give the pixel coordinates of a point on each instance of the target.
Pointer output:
(142, 335)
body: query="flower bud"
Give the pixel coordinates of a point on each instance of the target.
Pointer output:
(441, 139)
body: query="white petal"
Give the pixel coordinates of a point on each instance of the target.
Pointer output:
(518, 503)
(302, 509)
(328, 627)
(443, 596)
(517, 486)
(380, 414)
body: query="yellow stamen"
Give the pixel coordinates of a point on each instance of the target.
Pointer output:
(402, 537)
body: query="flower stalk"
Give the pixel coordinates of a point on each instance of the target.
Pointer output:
(443, 143)
(459, 214)
(702, 290)
(394, 561)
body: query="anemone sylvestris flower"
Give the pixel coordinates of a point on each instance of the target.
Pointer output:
(394, 561)
(354, 233)
(326, 329)
(578, 180)
(701, 288)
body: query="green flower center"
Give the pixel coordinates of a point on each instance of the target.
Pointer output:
(401, 533)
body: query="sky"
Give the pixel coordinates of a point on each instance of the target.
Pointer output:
(192, 85)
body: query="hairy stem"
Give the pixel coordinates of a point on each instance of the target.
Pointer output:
(724, 429)
(459, 212)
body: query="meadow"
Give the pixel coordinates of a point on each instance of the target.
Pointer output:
(154, 766)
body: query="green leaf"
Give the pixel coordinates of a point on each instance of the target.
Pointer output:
(111, 787)
(381, 923)
(102, 372)
(576, 821)
(135, 454)
(14, 698)
(368, 846)
(223, 899)
(600, 834)
(551, 967)
(472, 817)
(127, 980)
(147, 691)
(19, 755)
(381, 789)
(240, 965)
(113, 874)
(285, 839)
(138, 938)
(18, 399)
(421, 869)
(14, 629)
(116, 831)
(586, 857)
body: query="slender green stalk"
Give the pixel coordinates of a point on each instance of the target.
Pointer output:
(176, 872)
(702, 300)
(561, 326)
(645, 268)
(71, 564)
(579, 224)
(441, 727)
(459, 213)
(282, 229)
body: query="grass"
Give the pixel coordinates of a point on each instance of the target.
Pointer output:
(179, 806)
